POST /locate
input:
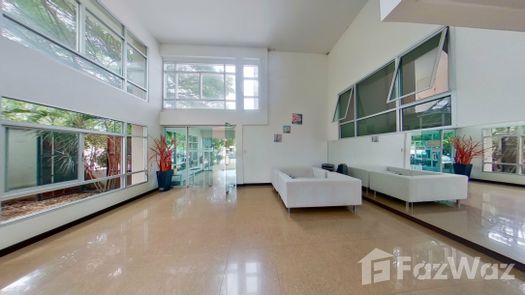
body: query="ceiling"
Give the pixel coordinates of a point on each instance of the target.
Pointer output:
(486, 14)
(312, 26)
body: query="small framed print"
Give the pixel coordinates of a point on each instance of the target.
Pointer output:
(287, 129)
(297, 119)
(277, 138)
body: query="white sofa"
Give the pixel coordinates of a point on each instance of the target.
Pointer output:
(315, 187)
(414, 186)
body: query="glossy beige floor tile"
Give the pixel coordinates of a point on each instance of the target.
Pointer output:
(202, 241)
(492, 216)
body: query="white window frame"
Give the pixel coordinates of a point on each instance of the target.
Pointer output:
(84, 7)
(18, 193)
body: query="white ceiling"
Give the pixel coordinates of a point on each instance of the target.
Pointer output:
(289, 25)
(486, 14)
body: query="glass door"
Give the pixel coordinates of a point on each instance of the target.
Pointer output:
(431, 150)
(204, 156)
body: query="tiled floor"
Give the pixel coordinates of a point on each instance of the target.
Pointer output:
(493, 216)
(199, 241)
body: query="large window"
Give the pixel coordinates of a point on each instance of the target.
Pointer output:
(211, 86)
(504, 150)
(54, 157)
(81, 34)
(410, 92)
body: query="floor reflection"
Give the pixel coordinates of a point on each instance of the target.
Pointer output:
(493, 216)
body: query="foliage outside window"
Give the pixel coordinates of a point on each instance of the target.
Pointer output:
(82, 35)
(414, 85)
(211, 86)
(199, 86)
(504, 150)
(55, 157)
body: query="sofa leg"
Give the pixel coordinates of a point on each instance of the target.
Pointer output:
(354, 209)
(458, 204)
(289, 210)
(407, 206)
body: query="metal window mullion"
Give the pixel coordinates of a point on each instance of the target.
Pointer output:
(81, 164)
(125, 62)
(54, 128)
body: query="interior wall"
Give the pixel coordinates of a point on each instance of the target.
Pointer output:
(30, 75)
(367, 45)
(486, 71)
(297, 84)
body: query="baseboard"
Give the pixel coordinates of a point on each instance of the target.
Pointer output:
(459, 239)
(66, 226)
(254, 184)
(498, 182)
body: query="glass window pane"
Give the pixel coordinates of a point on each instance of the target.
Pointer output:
(347, 130)
(56, 19)
(188, 86)
(505, 149)
(213, 86)
(251, 71)
(214, 68)
(251, 104)
(136, 178)
(231, 105)
(416, 68)
(343, 104)
(137, 91)
(251, 88)
(136, 154)
(136, 67)
(103, 45)
(30, 39)
(21, 111)
(102, 156)
(137, 130)
(39, 157)
(372, 92)
(137, 44)
(170, 85)
(436, 113)
(230, 87)
(379, 124)
(199, 104)
(230, 69)
(27, 205)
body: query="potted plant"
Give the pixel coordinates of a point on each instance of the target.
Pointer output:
(162, 152)
(466, 149)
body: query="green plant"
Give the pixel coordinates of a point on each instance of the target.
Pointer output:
(162, 153)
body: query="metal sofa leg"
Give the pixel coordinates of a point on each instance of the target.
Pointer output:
(354, 209)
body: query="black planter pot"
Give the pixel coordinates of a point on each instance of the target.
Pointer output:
(463, 169)
(164, 180)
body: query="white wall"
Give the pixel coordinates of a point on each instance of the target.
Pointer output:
(367, 45)
(297, 84)
(486, 75)
(30, 75)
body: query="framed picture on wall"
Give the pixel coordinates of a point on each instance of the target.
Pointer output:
(287, 129)
(297, 119)
(277, 138)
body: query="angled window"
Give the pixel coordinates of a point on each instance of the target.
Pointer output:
(343, 105)
(103, 45)
(371, 92)
(423, 71)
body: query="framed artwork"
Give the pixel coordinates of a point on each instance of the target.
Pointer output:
(277, 138)
(287, 129)
(297, 119)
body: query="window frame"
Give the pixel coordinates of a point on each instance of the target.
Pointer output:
(443, 32)
(520, 151)
(99, 12)
(239, 64)
(399, 105)
(6, 195)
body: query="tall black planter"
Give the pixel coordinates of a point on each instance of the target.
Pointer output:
(164, 180)
(463, 169)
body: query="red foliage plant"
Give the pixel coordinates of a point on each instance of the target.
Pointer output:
(162, 152)
(466, 150)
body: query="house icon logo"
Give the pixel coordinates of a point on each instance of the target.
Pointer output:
(375, 267)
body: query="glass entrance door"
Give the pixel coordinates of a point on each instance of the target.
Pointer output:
(431, 150)
(204, 156)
